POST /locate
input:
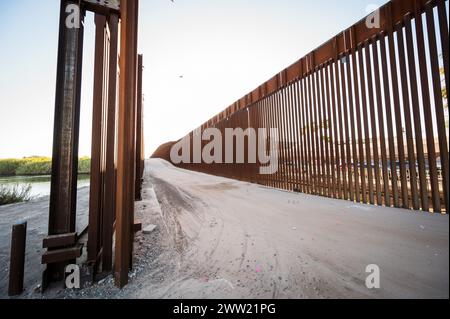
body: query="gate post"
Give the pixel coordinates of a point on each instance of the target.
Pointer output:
(63, 193)
(126, 156)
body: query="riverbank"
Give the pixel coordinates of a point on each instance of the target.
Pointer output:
(39, 185)
(36, 166)
(14, 194)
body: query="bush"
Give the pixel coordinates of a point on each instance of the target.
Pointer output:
(84, 165)
(8, 167)
(15, 194)
(31, 166)
(35, 166)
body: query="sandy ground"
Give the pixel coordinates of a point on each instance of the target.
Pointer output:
(36, 215)
(220, 238)
(238, 240)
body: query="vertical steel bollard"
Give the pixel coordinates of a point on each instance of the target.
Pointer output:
(17, 262)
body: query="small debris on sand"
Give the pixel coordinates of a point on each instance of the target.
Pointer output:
(149, 229)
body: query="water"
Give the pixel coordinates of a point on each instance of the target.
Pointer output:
(40, 185)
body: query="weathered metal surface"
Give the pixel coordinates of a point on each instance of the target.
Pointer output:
(428, 117)
(100, 102)
(102, 6)
(351, 121)
(139, 132)
(17, 261)
(62, 214)
(62, 255)
(126, 142)
(437, 89)
(108, 216)
(422, 187)
(62, 240)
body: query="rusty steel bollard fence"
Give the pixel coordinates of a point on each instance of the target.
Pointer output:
(363, 117)
(17, 262)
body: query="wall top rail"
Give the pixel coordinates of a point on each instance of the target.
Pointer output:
(391, 14)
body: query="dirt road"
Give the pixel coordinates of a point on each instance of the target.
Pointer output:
(238, 240)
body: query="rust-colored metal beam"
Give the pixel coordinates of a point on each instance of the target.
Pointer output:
(62, 240)
(428, 117)
(17, 261)
(98, 126)
(437, 89)
(139, 132)
(111, 147)
(61, 255)
(63, 192)
(103, 7)
(126, 141)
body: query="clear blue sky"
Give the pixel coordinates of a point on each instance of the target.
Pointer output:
(223, 49)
